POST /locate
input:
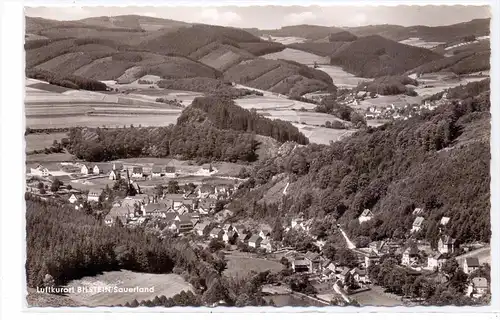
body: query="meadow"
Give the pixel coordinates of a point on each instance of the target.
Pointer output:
(239, 265)
(42, 140)
(162, 284)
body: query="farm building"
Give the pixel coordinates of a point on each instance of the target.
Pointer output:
(410, 257)
(418, 211)
(120, 213)
(313, 260)
(264, 234)
(300, 265)
(229, 236)
(117, 166)
(40, 171)
(267, 245)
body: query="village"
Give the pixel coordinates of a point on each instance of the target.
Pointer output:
(200, 213)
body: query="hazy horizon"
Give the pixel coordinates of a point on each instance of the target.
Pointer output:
(275, 17)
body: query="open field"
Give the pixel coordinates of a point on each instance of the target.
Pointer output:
(440, 85)
(483, 255)
(341, 78)
(284, 40)
(162, 284)
(298, 56)
(321, 135)
(375, 297)
(417, 42)
(42, 140)
(241, 265)
(272, 103)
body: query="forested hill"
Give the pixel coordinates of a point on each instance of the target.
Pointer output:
(438, 161)
(225, 114)
(211, 129)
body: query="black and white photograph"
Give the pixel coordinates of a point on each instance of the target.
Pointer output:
(257, 156)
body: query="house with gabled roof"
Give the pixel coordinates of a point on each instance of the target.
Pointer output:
(40, 171)
(314, 261)
(205, 190)
(371, 259)
(300, 265)
(86, 169)
(201, 228)
(156, 210)
(411, 256)
(344, 273)
(470, 265)
(73, 198)
(216, 233)
(418, 211)
(117, 213)
(436, 261)
(378, 247)
(117, 166)
(229, 236)
(94, 195)
(267, 245)
(417, 224)
(102, 168)
(447, 244)
(170, 172)
(137, 172)
(156, 172)
(477, 287)
(114, 175)
(365, 216)
(265, 234)
(254, 241)
(444, 221)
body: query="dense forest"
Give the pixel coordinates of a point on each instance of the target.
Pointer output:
(390, 85)
(390, 170)
(67, 81)
(375, 56)
(225, 114)
(213, 128)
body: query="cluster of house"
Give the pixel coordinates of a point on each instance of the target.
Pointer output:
(116, 170)
(397, 113)
(260, 239)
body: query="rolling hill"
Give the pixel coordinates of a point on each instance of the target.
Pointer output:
(310, 32)
(476, 27)
(118, 48)
(376, 56)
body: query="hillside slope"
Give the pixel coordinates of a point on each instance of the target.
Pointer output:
(375, 56)
(476, 27)
(390, 170)
(310, 32)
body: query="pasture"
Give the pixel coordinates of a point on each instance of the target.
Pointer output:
(322, 135)
(417, 42)
(298, 56)
(162, 284)
(341, 78)
(239, 265)
(285, 40)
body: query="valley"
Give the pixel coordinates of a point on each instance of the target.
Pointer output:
(305, 165)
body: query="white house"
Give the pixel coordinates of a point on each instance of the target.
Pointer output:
(170, 172)
(86, 169)
(470, 265)
(254, 241)
(436, 261)
(94, 195)
(156, 172)
(444, 221)
(417, 224)
(40, 171)
(477, 287)
(418, 211)
(264, 234)
(114, 175)
(446, 244)
(365, 216)
(72, 199)
(137, 172)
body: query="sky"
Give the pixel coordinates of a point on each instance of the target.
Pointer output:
(274, 17)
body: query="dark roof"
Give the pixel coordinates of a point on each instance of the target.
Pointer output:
(137, 170)
(174, 196)
(472, 262)
(215, 231)
(155, 206)
(254, 238)
(156, 169)
(104, 167)
(170, 169)
(311, 256)
(300, 262)
(447, 240)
